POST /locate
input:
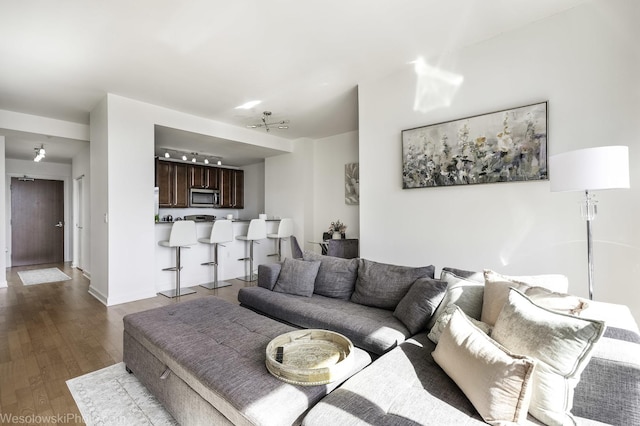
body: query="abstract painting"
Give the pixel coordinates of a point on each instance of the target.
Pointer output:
(503, 146)
(351, 183)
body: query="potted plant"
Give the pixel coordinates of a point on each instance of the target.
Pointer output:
(337, 229)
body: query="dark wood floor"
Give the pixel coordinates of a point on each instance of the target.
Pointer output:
(50, 333)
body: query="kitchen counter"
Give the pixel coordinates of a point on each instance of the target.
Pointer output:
(211, 221)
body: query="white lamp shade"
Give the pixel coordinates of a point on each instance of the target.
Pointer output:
(605, 167)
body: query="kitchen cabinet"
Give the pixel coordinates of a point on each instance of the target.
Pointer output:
(203, 177)
(231, 184)
(172, 182)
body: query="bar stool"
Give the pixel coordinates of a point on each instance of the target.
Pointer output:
(221, 232)
(257, 231)
(285, 230)
(183, 233)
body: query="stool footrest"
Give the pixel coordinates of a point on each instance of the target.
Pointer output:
(273, 254)
(209, 263)
(173, 293)
(245, 258)
(173, 269)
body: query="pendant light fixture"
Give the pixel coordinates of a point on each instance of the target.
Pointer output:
(268, 125)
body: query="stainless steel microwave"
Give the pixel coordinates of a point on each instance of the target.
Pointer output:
(204, 197)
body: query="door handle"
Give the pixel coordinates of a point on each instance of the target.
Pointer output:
(59, 224)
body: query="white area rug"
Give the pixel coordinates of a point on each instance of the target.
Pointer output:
(41, 276)
(112, 396)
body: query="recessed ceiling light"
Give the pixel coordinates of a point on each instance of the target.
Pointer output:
(206, 161)
(184, 158)
(167, 155)
(219, 163)
(248, 105)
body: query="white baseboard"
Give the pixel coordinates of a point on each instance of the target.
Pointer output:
(3, 284)
(98, 295)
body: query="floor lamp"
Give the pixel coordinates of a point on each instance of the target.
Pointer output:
(589, 170)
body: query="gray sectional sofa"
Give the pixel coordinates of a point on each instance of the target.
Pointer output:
(389, 311)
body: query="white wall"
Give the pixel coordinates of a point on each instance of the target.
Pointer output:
(42, 170)
(99, 240)
(81, 169)
(586, 63)
(308, 186)
(122, 133)
(289, 183)
(3, 234)
(330, 156)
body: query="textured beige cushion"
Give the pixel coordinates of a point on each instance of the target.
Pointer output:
(562, 344)
(496, 290)
(443, 320)
(496, 381)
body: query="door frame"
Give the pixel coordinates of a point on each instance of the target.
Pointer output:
(68, 249)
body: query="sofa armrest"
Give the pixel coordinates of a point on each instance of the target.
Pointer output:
(268, 275)
(609, 387)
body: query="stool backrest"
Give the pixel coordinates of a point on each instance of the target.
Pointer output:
(257, 229)
(221, 231)
(285, 229)
(183, 233)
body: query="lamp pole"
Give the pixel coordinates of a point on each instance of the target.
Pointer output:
(589, 211)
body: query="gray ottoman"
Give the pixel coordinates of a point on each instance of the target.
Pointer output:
(205, 361)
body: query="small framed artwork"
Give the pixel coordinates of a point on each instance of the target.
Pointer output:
(351, 183)
(502, 146)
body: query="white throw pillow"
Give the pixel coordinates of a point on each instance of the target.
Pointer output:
(496, 381)
(496, 290)
(561, 344)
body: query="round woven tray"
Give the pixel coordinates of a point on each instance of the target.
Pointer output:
(310, 357)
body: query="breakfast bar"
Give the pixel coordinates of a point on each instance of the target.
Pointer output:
(193, 272)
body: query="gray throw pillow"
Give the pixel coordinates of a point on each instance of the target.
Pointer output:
(417, 306)
(465, 289)
(297, 277)
(382, 285)
(336, 277)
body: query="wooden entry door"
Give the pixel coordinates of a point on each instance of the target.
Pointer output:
(37, 221)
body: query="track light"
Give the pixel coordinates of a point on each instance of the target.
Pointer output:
(192, 157)
(40, 153)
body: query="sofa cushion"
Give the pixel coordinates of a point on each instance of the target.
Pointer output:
(297, 277)
(383, 285)
(464, 289)
(497, 289)
(497, 382)
(375, 330)
(417, 306)
(561, 344)
(336, 277)
(443, 320)
(402, 387)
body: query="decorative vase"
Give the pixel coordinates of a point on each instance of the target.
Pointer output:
(337, 236)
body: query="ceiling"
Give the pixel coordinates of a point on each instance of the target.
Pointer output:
(302, 59)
